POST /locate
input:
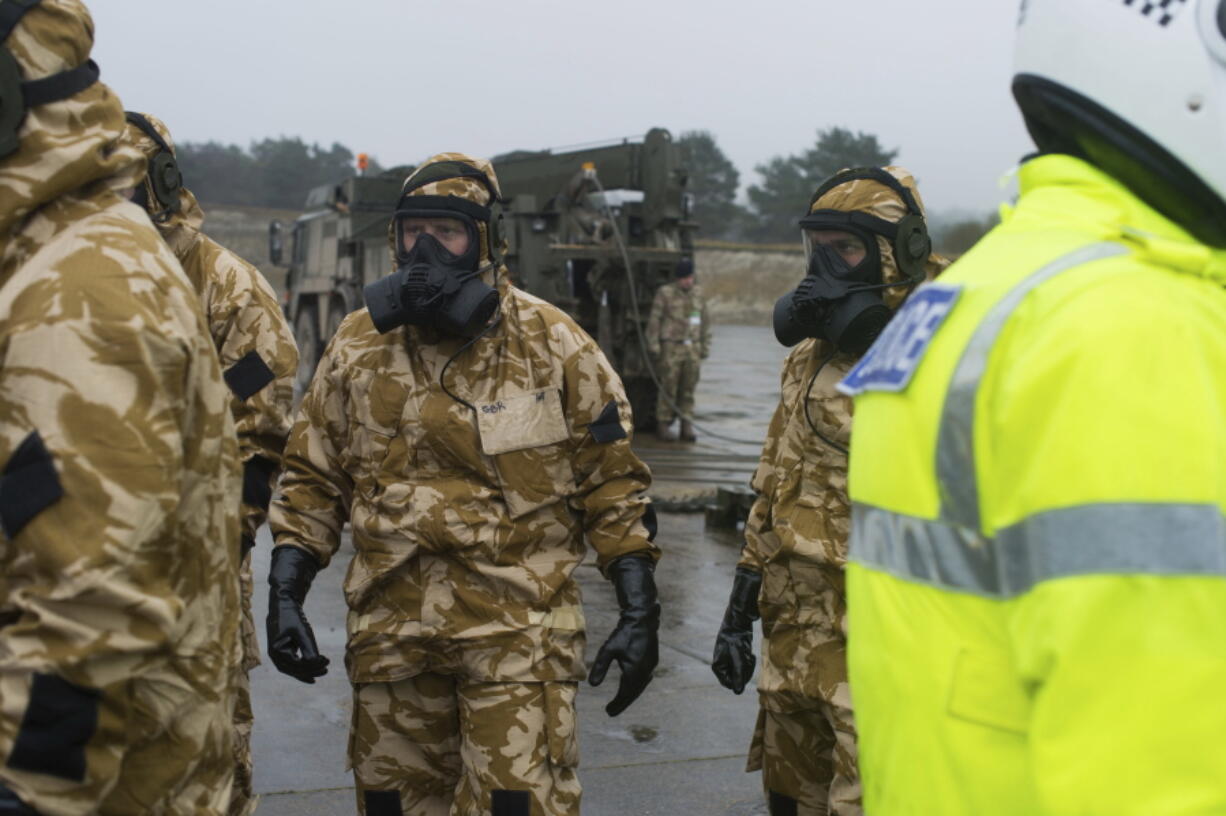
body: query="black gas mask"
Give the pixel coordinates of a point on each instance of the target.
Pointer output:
(840, 303)
(834, 302)
(432, 286)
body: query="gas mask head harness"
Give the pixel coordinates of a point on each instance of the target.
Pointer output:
(18, 95)
(433, 286)
(165, 179)
(842, 303)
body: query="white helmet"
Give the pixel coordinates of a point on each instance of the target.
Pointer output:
(1137, 88)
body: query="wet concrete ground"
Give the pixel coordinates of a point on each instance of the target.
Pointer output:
(679, 749)
(736, 397)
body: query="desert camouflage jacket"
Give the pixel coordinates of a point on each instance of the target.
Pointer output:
(797, 530)
(468, 522)
(802, 514)
(118, 502)
(258, 359)
(254, 342)
(679, 317)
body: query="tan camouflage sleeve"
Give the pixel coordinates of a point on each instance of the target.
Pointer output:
(759, 533)
(315, 492)
(258, 360)
(92, 419)
(611, 481)
(652, 332)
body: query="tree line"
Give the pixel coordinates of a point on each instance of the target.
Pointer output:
(275, 173)
(782, 195)
(278, 173)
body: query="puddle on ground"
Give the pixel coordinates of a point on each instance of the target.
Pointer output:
(643, 733)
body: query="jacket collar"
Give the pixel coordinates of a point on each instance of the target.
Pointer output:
(1066, 188)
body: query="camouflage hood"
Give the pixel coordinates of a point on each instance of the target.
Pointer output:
(68, 145)
(181, 226)
(470, 188)
(876, 199)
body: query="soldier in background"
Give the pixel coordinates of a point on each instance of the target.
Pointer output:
(588, 220)
(867, 248)
(118, 502)
(476, 440)
(679, 338)
(258, 359)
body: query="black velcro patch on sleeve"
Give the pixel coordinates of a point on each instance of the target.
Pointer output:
(608, 426)
(29, 484)
(782, 805)
(382, 803)
(257, 481)
(650, 521)
(510, 803)
(248, 376)
(59, 721)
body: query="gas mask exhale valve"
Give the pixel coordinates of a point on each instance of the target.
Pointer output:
(834, 302)
(434, 288)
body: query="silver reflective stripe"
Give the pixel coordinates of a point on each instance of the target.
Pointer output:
(955, 463)
(1094, 539)
(915, 549)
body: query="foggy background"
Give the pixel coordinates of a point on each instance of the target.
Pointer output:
(401, 80)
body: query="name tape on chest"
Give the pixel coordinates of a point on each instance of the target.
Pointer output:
(523, 421)
(891, 362)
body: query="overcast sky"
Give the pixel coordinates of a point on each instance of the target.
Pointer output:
(401, 79)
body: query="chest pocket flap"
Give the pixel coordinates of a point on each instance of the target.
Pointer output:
(527, 421)
(524, 435)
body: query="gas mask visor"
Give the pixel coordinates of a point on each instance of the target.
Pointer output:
(437, 280)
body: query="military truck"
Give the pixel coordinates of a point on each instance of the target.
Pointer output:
(335, 247)
(564, 212)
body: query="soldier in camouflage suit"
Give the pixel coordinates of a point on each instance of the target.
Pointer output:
(471, 471)
(678, 338)
(119, 558)
(791, 567)
(258, 360)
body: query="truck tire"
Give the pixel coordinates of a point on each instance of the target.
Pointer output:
(306, 335)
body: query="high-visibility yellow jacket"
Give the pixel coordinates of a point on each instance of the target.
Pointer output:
(1037, 584)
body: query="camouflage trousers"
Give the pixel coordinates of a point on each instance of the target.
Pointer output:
(437, 745)
(244, 800)
(179, 758)
(805, 740)
(807, 757)
(677, 367)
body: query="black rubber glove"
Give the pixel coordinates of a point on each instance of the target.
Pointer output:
(633, 644)
(10, 805)
(734, 661)
(291, 643)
